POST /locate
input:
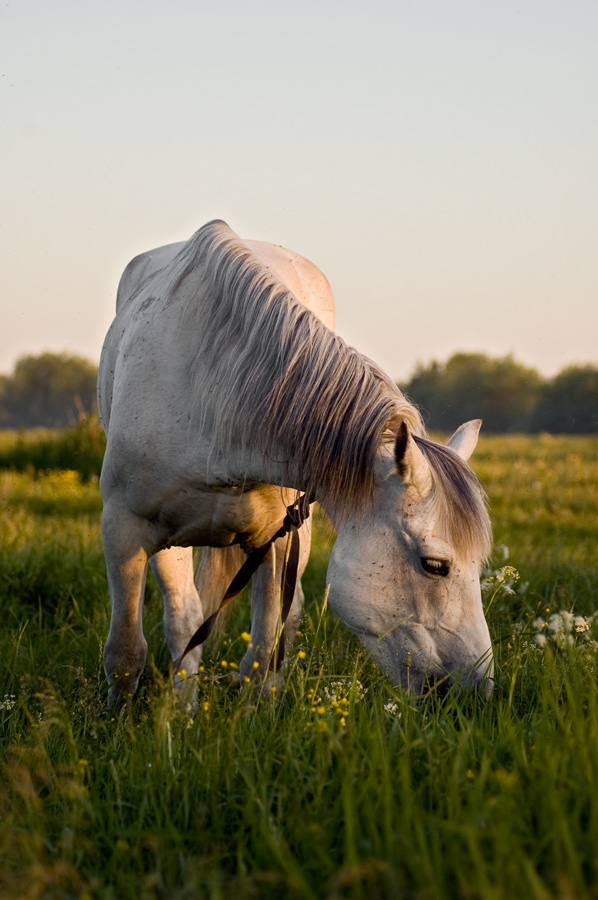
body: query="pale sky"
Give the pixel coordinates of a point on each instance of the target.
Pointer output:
(437, 160)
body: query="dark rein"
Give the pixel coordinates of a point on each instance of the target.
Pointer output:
(295, 516)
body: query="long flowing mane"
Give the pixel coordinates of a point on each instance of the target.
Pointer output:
(284, 380)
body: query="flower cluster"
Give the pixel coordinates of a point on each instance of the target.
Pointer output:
(502, 580)
(336, 690)
(334, 701)
(565, 630)
(391, 708)
(8, 702)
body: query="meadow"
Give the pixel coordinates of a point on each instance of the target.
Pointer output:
(347, 787)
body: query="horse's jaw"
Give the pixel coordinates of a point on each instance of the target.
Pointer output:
(413, 659)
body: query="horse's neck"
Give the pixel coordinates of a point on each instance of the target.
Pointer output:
(257, 467)
(244, 466)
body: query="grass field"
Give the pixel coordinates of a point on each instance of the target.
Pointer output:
(347, 788)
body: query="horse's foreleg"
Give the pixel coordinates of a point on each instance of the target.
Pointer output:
(258, 663)
(296, 610)
(124, 536)
(183, 612)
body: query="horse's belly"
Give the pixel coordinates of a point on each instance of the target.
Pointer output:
(218, 518)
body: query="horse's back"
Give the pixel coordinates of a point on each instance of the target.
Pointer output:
(299, 275)
(143, 281)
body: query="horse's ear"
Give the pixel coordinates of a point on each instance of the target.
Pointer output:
(412, 465)
(465, 438)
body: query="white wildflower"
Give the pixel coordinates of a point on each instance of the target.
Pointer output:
(582, 623)
(391, 708)
(339, 690)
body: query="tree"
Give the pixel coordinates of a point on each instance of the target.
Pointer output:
(569, 403)
(502, 392)
(52, 389)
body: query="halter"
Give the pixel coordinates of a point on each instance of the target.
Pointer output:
(296, 515)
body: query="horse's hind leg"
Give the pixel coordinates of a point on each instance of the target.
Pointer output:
(183, 611)
(217, 568)
(125, 538)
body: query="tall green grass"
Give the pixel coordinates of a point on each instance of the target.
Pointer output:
(345, 788)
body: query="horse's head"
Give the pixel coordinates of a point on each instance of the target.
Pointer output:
(406, 576)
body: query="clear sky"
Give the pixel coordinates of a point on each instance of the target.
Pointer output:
(438, 160)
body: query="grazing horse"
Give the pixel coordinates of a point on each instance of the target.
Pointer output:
(224, 392)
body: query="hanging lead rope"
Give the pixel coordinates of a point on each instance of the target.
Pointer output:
(296, 515)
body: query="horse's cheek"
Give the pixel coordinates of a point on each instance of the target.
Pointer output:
(369, 586)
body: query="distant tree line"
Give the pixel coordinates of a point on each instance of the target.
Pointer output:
(55, 389)
(507, 395)
(52, 390)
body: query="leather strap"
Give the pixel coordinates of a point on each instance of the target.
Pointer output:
(295, 516)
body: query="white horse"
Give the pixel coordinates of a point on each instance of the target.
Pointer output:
(223, 392)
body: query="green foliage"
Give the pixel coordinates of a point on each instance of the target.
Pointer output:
(502, 392)
(53, 389)
(569, 403)
(508, 396)
(346, 788)
(79, 448)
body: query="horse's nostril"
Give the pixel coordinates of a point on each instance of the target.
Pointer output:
(437, 685)
(440, 685)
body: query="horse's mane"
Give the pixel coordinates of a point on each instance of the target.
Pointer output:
(285, 382)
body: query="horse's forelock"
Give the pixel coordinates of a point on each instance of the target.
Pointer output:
(459, 501)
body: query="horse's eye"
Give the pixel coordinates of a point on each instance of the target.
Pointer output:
(435, 566)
